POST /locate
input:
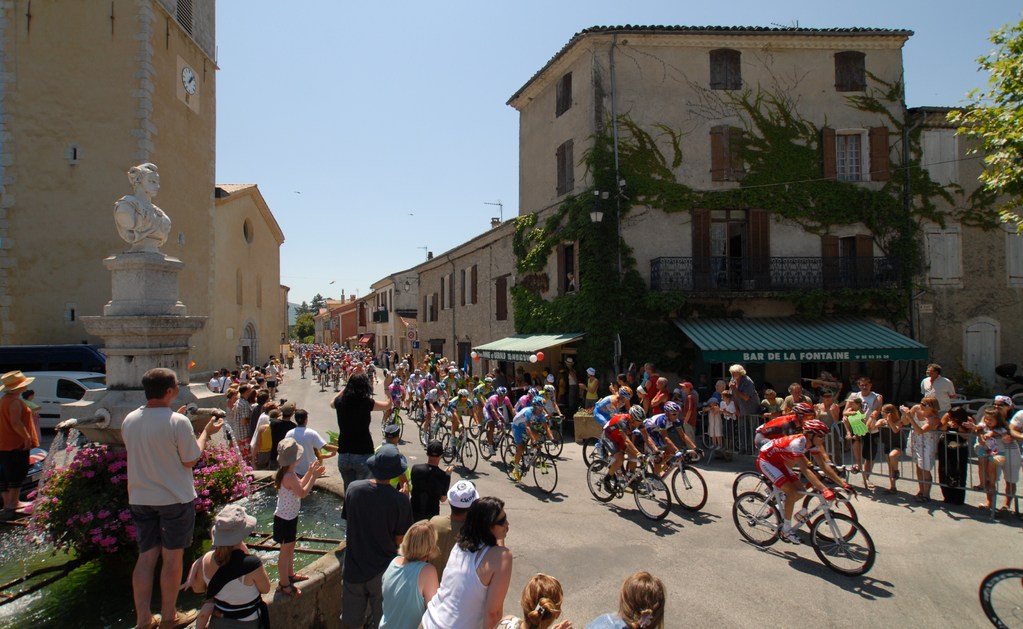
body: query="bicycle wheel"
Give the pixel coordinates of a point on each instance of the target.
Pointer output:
(470, 455)
(555, 447)
(756, 518)
(485, 447)
(850, 556)
(475, 429)
(592, 451)
(508, 457)
(689, 488)
(652, 497)
(1001, 597)
(424, 435)
(450, 448)
(842, 505)
(595, 475)
(545, 473)
(750, 481)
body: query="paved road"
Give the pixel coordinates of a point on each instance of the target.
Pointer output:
(930, 558)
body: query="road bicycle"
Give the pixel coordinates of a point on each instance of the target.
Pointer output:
(302, 369)
(555, 446)
(394, 417)
(687, 483)
(840, 542)
(461, 448)
(1001, 597)
(648, 490)
(545, 470)
(437, 429)
(754, 481)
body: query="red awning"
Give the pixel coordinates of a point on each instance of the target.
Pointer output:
(366, 339)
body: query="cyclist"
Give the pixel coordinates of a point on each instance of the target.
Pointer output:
(451, 379)
(498, 405)
(480, 394)
(460, 405)
(608, 406)
(397, 391)
(658, 426)
(549, 404)
(777, 459)
(527, 400)
(617, 439)
(435, 400)
(524, 425)
(783, 426)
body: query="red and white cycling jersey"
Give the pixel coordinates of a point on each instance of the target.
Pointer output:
(787, 448)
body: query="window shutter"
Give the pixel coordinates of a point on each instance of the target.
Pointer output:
(473, 278)
(701, 248)
(736, 169)
(462, 277)
(829, 260)
(451, 290)
(425, 314)
(828, 155)
(501, 301)
(719, 165)
(879, 160)
(562, 282)
(759, 249)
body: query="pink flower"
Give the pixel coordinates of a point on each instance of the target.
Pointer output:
(102, 515)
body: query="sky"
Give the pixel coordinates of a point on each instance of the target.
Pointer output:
(378, 131)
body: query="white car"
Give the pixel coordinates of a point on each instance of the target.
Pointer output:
(54, 388)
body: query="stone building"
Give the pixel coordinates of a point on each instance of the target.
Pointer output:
(724, 132)
(88, 90)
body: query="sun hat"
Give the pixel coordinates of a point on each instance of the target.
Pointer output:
(387, 463)
(462, 494)
(288, 451)
(14, 380)
(591, 371)
(434, 448)
(232, 526)
(1004, 399)
(392, 430)
(550, 377)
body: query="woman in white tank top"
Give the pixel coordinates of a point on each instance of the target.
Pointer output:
(478, 572)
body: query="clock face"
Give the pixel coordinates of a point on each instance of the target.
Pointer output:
(189, 80)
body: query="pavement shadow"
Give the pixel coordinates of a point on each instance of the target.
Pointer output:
(863, 586)
(541, 495)
(698, 518)
(661, 528)
(953, 512)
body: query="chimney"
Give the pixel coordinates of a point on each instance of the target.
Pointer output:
(495, 222)
(429, 255)
(351, 298)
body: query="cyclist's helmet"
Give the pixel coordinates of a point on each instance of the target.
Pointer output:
(537, 402)
(442, 386)
(532, 392)
(502, 391)
(488, 380)
(463, 393)
(671, 407)
(814, 426)
(396, 382)
(802, 409)
(637, 413)
(548, 388)
(625, 392)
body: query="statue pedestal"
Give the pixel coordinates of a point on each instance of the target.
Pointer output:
(143, 283)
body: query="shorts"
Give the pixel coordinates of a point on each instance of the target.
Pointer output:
(285, 531)
(519, 433)
(659, 440)
(616, 440)
(778, 474)
(714, 426)
(924, 447)
(362, 603)
(167, 526)
(890, 440)
(13, 468)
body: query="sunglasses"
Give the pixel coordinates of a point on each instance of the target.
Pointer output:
(502, 521)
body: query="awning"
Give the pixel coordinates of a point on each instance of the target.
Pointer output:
(792, 339)
(521, 346)
(366, 339)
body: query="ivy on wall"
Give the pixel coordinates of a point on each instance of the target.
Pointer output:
(781, 152)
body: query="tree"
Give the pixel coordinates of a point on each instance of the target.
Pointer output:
(317, 303)
(304, 326)
(303, 308)
(994, 117)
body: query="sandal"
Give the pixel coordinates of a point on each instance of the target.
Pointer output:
(154, 621)
(181, 619)
(298, 578)
(870, 486)
(289, 589)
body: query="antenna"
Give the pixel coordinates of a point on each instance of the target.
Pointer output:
(498, 204)
(425, 249)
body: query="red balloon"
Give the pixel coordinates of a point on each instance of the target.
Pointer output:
(476, 357)
(539, 355)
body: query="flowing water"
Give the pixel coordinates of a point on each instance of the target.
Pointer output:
(98, 594)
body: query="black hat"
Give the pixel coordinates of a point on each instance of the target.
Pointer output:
(387, 463)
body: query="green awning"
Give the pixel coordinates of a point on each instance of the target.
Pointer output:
(791, 339)
(521, 346)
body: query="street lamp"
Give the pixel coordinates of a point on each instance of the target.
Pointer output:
(596, 214)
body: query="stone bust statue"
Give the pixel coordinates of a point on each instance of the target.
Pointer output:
(139, 222)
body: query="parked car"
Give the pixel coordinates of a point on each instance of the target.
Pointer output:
(54, 388)
(28, 358)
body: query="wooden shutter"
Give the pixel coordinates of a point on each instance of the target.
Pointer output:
(736, 169)
(759, 247)
(719, 163)
(879, 160)
(501, 301)
(701, 248)
(562, 282)
(472, 279)
(830, 272)
(462, 277)
(864, 269)
(828, 156)
(424, 315)
(451, 289)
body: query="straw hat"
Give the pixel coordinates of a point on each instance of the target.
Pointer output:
(288, 451)
(14, 380)
(232, 526)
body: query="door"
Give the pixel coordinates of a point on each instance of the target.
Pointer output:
(980, 348)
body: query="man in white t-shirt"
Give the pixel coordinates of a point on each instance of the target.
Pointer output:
(162, 449)
(939, 386)
(311, 441)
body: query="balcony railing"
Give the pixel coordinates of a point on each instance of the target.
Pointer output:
(721, 273)
(379, 316)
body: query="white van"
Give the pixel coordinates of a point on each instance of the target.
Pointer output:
(54, 388)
